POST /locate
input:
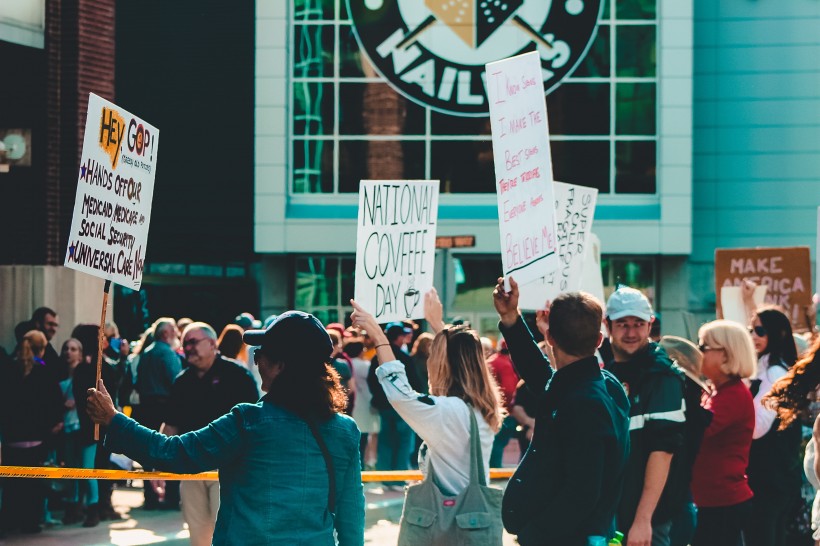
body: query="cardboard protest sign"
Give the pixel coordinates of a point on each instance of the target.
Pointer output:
(523, 168)
(786, 273)
(574, 209)
(112, 211)
(395, 246)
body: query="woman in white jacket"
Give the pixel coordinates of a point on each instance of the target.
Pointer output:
(460, 382)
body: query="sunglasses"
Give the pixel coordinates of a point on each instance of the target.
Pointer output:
(703, 348)
(759, 331)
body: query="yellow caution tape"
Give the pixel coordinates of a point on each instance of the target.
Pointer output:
(59, 473)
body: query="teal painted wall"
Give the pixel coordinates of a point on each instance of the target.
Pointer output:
(756, 140)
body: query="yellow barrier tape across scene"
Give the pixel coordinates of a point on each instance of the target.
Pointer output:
(59, 473)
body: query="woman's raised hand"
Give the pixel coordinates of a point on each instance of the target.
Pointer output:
(433, 310)
(364, 320)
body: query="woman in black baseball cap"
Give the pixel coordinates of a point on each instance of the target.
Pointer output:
(288, 465)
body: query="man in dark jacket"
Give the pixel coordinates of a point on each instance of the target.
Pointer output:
(567, 487)
(207, 389)
(655, 486)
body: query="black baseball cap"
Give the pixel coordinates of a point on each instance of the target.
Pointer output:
(293, 335)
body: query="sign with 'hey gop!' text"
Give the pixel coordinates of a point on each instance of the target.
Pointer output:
(112, 211)
(523, 168)
(395, 247)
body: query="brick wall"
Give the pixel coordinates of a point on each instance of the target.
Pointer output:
(80, 51)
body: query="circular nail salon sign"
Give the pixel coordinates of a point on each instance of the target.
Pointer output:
(434, 51)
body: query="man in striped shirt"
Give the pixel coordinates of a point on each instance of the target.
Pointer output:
(654, 491)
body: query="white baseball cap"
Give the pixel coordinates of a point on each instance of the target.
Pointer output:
(628, 302)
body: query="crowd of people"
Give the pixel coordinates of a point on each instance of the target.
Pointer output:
(624, 434)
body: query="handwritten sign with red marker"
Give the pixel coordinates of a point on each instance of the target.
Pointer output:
(523, 169)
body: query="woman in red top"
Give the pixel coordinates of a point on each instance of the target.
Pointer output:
(719, 484)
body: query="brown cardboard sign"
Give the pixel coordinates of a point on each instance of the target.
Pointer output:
(786, 273)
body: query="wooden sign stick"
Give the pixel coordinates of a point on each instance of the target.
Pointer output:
(106, 288)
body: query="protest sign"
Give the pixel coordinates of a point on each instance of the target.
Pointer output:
(786, 273)
(395, 248)
(112, 209)
(523, 168)
(733, 306)
(574, 209)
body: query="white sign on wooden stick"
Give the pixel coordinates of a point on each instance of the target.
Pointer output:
(574, 210)
(112, 210)
(395, 247)
(523, 168)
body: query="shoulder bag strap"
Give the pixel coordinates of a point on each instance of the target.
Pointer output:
(331, 473)
(476, 457)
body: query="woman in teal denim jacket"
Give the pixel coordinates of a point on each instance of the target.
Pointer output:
(272, 474)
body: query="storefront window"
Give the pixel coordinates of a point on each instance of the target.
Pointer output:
(324, 286)
(347, 124)
(637, 272)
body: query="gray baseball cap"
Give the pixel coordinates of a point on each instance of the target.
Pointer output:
(628, 302)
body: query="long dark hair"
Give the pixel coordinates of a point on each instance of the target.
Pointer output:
(780, 346)
(308, 389)
(789, 396)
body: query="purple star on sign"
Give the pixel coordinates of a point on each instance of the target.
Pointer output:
(82, 172)
(71, 251)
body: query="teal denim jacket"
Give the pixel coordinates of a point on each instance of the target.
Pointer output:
(272, 475)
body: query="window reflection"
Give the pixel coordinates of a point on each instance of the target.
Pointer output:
(378, 160)
(312, 109)
(463, 166)
(360, 106)
(352, 63)
(376, 109)
(311, 10)
(316, 282)
(596, 63)
(581, 162)
(635, 166)
(579, 109)
(635, 9)
(635, 113)
(313, 51)
(312, 166)
(636, 51)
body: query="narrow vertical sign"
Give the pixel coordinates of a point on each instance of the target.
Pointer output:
(112, 210)
(574, 209)
(523, 169)
(395, 246)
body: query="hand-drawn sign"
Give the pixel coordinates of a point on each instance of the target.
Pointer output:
(786, 273)
(523, 168)
(112, 210)
(395, 246)
(574, 211)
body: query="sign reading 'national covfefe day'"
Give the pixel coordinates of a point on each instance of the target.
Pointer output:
(574, 210)
(785, 272)
(112, 210)
(395, 249)
(523, 167)
(434, 51)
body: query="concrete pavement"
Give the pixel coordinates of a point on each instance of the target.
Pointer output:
(142, 527)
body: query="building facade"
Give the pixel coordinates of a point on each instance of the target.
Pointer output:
(698, 121)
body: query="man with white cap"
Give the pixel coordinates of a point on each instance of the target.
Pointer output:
(654, 481)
